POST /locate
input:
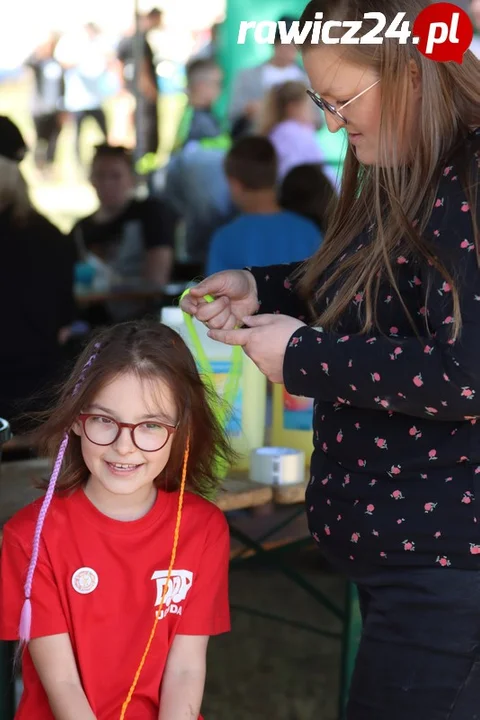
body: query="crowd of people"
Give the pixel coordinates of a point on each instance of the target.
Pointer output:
(240, 195)
(361, 293)
(269, 102)
(74, 73)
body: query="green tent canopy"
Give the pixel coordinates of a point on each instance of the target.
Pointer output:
(234, 57)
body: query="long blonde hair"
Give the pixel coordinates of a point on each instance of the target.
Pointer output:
(390, 197)
(14, 191)
(276, 103)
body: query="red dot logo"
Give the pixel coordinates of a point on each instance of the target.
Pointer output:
(443, 32)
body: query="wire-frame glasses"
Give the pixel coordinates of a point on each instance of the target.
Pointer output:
(324, 105)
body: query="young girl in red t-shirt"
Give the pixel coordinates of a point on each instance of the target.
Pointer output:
(115, 580)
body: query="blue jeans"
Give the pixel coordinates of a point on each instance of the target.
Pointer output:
(419, 656)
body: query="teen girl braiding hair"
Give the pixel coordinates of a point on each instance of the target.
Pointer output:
(122, 567)
(381, 327)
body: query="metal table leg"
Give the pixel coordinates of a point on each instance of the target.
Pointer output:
(7, 683)
(352, 630)
(349, 614)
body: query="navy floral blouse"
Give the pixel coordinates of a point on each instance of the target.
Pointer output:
(395, 473)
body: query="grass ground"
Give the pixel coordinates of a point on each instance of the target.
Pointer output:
(67, 195)
(264, 670)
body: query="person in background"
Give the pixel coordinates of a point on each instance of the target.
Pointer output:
(381, 328)
(264, 233)
(133, 238)
(288, 120)
(306, 190)
(87, 59)
(251, 84)
(146, 80)
(36, 278)
(195, 184)
(49, 89)
(208, 48)
(204, 85)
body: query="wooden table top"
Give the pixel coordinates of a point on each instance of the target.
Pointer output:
(238, 492)
(128, 291)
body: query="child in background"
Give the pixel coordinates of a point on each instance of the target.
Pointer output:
(263, 234)
(289, 122)
(195, 185)
(132, 240)
(307, 191)
(127, 562)
(133, 237)
(204, 85)
(251, 84)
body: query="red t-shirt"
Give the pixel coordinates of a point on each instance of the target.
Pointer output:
(100, 579)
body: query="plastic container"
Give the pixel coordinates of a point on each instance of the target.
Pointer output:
(84, 274)
(246, 426)
(93, 274)
(292, 420)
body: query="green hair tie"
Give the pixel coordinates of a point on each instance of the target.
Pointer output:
(205, 367)
(223, 408)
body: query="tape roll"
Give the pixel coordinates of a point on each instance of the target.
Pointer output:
(277, 466)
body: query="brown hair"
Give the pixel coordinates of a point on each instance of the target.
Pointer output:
(307, 191)
(117, 152)
(391, 197)
(153, 352)
(200, 70)
(253, 162)
(277, 103)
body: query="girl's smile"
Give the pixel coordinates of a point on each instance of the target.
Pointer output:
(122, 469)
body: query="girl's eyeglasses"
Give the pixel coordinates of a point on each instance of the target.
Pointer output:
(324, 105)
(146, 436)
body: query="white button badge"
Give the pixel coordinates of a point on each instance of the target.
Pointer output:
(84, 580)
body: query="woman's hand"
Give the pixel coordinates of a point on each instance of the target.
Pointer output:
(235, 293)
(265, 341)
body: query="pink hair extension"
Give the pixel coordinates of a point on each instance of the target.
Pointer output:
(85, 368)
(26, 614)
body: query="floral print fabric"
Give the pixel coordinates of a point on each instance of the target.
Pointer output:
(396, 468)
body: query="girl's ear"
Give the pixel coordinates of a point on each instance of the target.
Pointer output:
(77, 427)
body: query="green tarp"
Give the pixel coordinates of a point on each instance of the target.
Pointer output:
(233, 57)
